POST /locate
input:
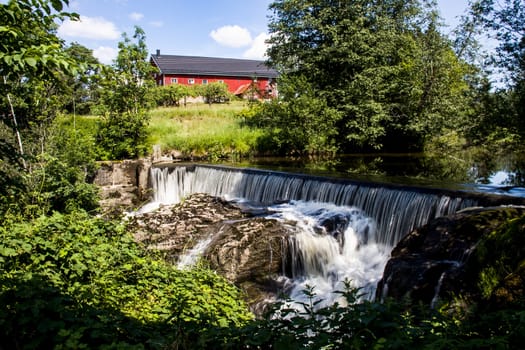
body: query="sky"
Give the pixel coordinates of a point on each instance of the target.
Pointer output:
(216, 28)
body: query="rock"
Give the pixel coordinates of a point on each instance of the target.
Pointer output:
(440, 261)
(250, 253)
(245, 249)
(175, 228)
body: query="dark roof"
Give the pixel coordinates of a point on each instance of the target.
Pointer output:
(194, 65)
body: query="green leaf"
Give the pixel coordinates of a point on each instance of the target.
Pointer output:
(31, 61)
(7, 251)
(57, 5)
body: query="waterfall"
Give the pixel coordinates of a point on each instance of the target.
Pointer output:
(332, 244)
(344, 230)
(396, 210)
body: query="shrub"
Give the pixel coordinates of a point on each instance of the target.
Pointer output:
(74, 281)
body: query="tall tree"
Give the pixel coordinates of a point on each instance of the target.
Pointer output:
(81, 92)
(382, 64)
(503, 22)
(31, 61)
(31, 57)
(126, 98)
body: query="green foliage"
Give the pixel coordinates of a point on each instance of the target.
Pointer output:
(357, 324)
(501, 259)
(172, 95)
(55, 185)
(32, 61)
(74, 281)
(122, 136)
(58, 179)
(383, 66)
(72, 140)
(34, 66)
(125, 99)
(38, 53)
(80, 95)
(215, 92)
(502, 23)
(302, 125)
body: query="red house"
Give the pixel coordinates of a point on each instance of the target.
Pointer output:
(240, 75)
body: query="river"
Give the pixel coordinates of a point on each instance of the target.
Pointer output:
(480, 172)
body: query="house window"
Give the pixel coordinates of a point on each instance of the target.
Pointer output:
(174, 80)
(220, 81)
(204, 81)
(191, 81)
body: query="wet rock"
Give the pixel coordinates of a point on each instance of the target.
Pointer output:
(251, 253)
(247, 250)
(440, 261)
(176, 228)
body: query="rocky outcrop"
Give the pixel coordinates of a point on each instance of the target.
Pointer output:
(246, 249)
(442, 261)
(250, 253)
(174, 229)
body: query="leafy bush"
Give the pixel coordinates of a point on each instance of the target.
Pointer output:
(302, 125)
(73, 281)
(122, 136)
(54, 185)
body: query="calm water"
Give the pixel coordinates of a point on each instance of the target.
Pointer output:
(480, 172)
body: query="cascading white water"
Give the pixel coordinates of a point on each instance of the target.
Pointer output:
(332, 244)
(374, 218)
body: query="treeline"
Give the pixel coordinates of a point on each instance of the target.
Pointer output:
(382, 75)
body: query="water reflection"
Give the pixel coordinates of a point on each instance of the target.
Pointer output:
(478, 170)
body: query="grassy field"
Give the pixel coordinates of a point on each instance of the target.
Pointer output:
(201, 130)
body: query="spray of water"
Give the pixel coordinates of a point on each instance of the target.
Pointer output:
(332, 244)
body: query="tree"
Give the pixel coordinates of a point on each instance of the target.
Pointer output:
(503, 21)
(214, 92)
(32, 60)
(126, 97)
(171, 95)
(299, 124)
(81, 92)
(31, 56)
(383, 65)
(437, 93)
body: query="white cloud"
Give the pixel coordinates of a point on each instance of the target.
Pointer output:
(136, 16)
(157, 24)
(89, 28)
(105, 54)
(257, 50)
(232, 36)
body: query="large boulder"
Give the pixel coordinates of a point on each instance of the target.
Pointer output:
(250, 253)
(459, 257)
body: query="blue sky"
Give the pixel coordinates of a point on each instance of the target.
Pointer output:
(218, 28)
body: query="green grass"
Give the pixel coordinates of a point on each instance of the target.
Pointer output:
(197, 130)
(201, 130)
